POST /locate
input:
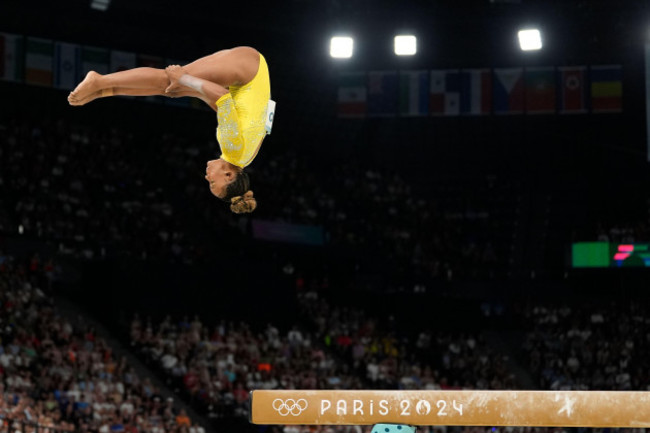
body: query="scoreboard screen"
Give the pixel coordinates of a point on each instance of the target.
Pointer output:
(609, 255)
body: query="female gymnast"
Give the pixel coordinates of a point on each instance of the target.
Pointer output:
(234, 83)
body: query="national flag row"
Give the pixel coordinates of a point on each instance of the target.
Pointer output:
(62, 65)
(477, 92)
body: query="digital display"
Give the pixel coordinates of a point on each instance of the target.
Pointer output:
(609, 254)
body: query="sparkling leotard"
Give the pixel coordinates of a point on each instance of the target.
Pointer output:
(241, 115)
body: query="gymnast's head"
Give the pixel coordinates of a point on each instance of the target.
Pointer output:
(231, 184)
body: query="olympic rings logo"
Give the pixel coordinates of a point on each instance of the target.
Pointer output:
(289, 406)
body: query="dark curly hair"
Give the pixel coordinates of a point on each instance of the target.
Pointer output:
(238, 194)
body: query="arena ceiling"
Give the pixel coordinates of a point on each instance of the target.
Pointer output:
(456, 29)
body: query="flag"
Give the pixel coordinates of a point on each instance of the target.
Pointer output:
(414, 93)
(67, 59)
(382, 93)
(122, 60)
(12, 57)
(352, 94)
(606, 89)
(540, 90)
(39, 55)
(475, 91)
(444, 93)
(508, 91)
(572, 89)
(94, 59)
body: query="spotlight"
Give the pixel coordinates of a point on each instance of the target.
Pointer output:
(100, 5)
(341, 47)
(405, 45)
(530, 39)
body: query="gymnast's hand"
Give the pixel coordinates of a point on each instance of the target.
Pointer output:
(174, 73)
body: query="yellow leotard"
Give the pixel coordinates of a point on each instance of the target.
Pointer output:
(241, 115)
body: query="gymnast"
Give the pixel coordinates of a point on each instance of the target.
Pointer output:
(233, 82)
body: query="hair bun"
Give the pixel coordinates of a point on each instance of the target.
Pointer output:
(243, 203)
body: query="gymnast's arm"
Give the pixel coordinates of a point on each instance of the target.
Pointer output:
(207, 91)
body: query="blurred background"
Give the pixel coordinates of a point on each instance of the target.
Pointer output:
(470, 216)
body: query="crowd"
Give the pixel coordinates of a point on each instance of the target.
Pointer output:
(216, 365)
(89, 192)
(105, 193)
(389, 354)
(102, 193)
(567, 348)
(590, 347)
(622, 218)
(61, 375)
(376, 212)
(621, 233)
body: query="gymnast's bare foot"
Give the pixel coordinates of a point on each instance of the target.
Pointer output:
(87, 90)
(89, 98)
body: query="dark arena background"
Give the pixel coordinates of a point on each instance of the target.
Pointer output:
(473, 216)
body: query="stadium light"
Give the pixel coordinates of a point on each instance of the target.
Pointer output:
(341, 47)
(405, 45)
(530, 39)
(100, 5)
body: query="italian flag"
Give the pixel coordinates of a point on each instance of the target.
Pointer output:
(38, 61)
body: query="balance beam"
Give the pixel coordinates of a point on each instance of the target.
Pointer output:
(466, 408)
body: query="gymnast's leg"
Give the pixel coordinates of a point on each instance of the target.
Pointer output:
(127, 91)
(234, 66)
(226, 67)
(135, 82)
